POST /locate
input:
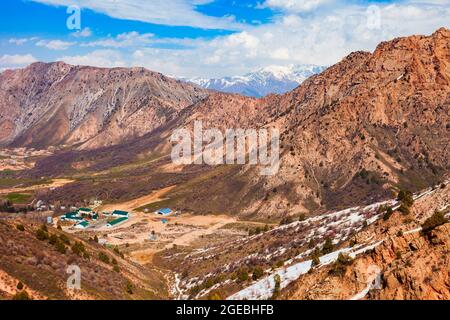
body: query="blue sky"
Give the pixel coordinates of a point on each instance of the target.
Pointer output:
(207, 38)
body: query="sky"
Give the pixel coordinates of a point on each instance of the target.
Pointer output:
(206, 38)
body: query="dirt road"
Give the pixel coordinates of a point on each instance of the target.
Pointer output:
(56, 183)
(139, 202)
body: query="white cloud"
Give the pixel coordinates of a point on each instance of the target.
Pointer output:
(21, 41)
(322, 38)
(85, 33)
(166, 12)
(97, 58)
(123, 40)
(55, 44)
(15, 61)
(296, 5)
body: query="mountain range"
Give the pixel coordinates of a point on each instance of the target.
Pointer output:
(272, 79)
(364, 148)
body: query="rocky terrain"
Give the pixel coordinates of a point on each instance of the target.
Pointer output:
(54, 104)
(348, 135)
(364, 165)
(38, 260)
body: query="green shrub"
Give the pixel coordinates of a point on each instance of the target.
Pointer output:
(242, 275)
(258, 272)
(129, 288)
(341, 264)
(20, 285)
(434, 221)
(388, 214)
(103, 257)
(41, 235)
(20, 227)
(404, 209)
(60, 247)
(277, 287)
(22, 295)
(328, 246)
(405, 197)
(78, 248)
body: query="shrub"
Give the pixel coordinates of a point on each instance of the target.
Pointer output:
(258, 272)
(242, 275)
(405, 197)
(328, 246)
(215, 296)
(129, 288)
(20, 285)
(78, 248)
(64, 239)
(116, 268)
(315, 260)
(60, 247)
(388, 214)
(277, 287)
(404, 209)
(103, 257)
(434, 221)
(286, 220)
(341, 264)
(20, 227)
(41, 235)
(22, 295)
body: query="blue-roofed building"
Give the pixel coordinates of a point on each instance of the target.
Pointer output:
(164, 211)
(120, 213)
(82, 225)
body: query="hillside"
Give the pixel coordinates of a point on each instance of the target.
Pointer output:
(370, 124)
(55, 104)
(40, 265)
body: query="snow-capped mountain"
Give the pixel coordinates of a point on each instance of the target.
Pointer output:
(272, 79)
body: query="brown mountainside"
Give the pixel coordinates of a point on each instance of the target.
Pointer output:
(370, 122)
(50, 104)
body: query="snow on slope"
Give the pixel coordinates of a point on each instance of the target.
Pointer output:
(272, 79)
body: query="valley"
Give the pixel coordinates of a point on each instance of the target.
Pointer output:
(358, 209)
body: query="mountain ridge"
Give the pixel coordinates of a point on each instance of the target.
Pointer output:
(261, 82)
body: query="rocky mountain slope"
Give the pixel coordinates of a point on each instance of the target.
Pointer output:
(349, 135)
(53, 104)
(407, 263)
(38, 260)
(273, 79)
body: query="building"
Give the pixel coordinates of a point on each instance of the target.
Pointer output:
(164, 211)
(86, 211)
(82, 225)
(71, 216)
(120, 213)
(116, 222)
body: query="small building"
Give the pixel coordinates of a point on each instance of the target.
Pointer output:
(71, 216)
(164, 211)
(85, 211)
(120, 213)
(82, 225)
(116, 222)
